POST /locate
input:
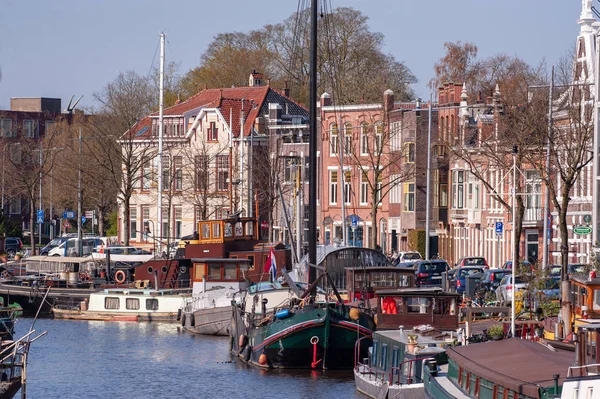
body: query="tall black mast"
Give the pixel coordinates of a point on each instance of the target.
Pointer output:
(312, 192)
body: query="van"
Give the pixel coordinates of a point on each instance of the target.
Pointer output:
(69, 247)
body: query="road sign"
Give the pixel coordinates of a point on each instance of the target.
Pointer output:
(66, 224)
(83, 220)
(582, 230)
(354, 220)
(68, 214)
(40, 219)
(40, 213)
(264, 224)
(499, 228)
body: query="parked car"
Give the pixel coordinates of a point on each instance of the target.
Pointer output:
(472, 261)
(69, 247)
(549, 291)
(459, 281)
(506, 288)
(56, 241)
(573, 268)
(12, 245)
(508, 264)
(429, 272)
(491, 280)
(407, 257)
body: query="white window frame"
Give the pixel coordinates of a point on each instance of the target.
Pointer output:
(6, 127)
(333, 187)
(347, 175)
(334, 144)
(178, 212)
(364, 188)
(133, 222)
(29, 128)
(364, 139)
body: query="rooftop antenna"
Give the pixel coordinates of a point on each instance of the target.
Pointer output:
(71, 107)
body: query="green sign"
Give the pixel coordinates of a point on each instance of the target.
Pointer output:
(582, 230)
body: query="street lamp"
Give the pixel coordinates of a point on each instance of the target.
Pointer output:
(148, 232)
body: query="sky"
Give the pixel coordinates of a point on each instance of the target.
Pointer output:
(65, 48)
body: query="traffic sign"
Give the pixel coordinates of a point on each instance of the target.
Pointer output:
(499, 228)
(40, 213)
(582, 230)
(40, 219)
(66, 224)
(68, 214)
(83, 219)
(354, 220)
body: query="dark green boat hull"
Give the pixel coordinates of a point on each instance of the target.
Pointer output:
(291, 342)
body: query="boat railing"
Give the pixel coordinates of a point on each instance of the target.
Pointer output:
(585, 370)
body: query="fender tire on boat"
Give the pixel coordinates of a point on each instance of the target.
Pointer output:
(192, 320)
(247, 352)
(178, 314)
(183, 320)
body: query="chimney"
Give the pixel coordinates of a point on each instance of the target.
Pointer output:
(388, 100)
(325, 99)
(286, 90)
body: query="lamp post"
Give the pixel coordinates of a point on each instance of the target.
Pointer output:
(148, 232)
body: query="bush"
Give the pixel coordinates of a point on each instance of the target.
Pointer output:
(416, 241)
(496, 331)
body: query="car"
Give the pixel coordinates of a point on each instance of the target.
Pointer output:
(472, 261)
(429, 272)
(506, 288)
(459, 279)
(407, 257)
(508, 264)
(490, 280)
(55, 242)
(546, 290)
(12, 245)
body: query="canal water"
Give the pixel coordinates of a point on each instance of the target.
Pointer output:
(86, 359)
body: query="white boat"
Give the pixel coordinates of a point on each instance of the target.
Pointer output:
(118, 304)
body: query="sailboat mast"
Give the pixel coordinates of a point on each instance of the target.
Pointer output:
(312, 193)
(161, 106)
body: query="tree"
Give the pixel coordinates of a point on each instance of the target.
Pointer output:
(124, 102)
(350, 59)
(459, 65)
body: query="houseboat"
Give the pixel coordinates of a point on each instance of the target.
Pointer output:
(118, 304)
(413, 325)
(363, 283)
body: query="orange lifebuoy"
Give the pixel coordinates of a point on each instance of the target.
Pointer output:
(120, 277)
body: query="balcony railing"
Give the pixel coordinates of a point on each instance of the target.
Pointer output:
(533, 215)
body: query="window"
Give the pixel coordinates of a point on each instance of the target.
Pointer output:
(133, 222)
(29, 128)
(378, 138)
(14, 207)
(443, 195)
(178, 222)
(533, 188)
(214, 272)
(147, 175)
(205, 229)
(333, 141)
(222, 172)
(221, 212)
(178, 173)
(458, 180)
(132, 303)
(145, 221)
(290, 169)
(333, 186)
(213, 132)
(152, 304)
(6, 129)
(395, 193)
(201, 162)
(364, 188)
(347, 138)
(216, 230)
(166, 175)
(111, 302)
(165, 222)
(230, 272)
(347, 186)
(379, 187)
(364, 139)
(49, 127)
(409, 197)
(409, 152)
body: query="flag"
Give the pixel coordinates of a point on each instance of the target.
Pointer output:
(271, 264)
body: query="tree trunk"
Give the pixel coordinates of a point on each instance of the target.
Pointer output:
(126, 216)
(374, 222)
(100, 220)
(564, 275)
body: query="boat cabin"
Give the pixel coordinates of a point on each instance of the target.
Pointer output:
(208, 273)
(585, 294)
(411, 307)
(365, 282)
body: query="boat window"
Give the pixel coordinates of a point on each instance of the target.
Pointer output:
(230, 272)
(383, 359)
(132, 303)
(251, 259)
(405, 280)
(216, 233)
(111, 302)
(596, 305)
(152, 304)
(374, 356)
(214, 272)
(228, 230)
(205, 230)
(199, 269)
(417, 305)
(395, 356)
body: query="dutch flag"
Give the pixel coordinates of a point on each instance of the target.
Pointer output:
(271, 265)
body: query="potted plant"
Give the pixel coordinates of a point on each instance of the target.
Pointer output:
(3, 257)
(18, 256)
(496, 332)
(412, 342)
